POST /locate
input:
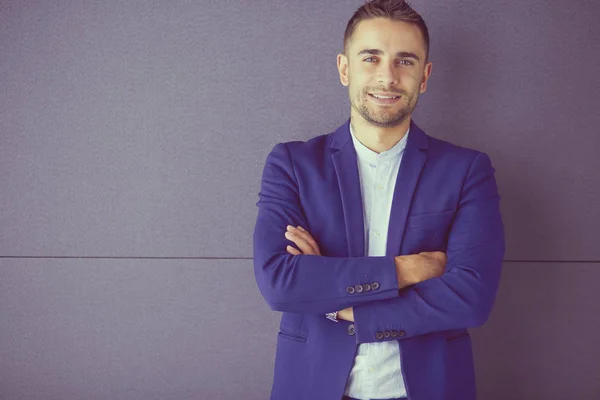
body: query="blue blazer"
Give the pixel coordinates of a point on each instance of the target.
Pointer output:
(445, 199)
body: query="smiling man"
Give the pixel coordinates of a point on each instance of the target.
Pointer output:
(380, 244)
(385, 66)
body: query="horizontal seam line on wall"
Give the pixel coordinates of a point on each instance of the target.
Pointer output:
(250, 258)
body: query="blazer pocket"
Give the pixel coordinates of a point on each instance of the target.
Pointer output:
(430, 221)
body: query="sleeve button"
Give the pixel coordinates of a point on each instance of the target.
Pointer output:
(350, 289)
(379, 335)
(393, 333)
(358, 288)
(401, 333)
(386, 334)
(367, 287)
(351, 330)
(375, 285)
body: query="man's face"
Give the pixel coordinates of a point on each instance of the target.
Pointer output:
(384, 59)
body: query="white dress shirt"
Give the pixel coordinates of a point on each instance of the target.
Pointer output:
(377, 373)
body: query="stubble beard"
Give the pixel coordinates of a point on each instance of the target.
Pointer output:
(387, 120)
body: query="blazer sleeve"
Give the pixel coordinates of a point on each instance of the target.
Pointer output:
(305, 283)
(463, 296)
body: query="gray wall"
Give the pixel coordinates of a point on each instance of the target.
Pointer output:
(132, 139)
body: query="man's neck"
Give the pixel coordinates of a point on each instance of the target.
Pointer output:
(376, 138)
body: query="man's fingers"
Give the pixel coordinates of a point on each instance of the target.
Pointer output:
(293, 251)
(305, 234)
(301, 242)
(299, 231)
(305, 242)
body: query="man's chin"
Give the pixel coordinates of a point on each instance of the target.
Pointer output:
(381, 120)
(387, 122)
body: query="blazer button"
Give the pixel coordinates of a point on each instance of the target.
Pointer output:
(393, 333)
(351, 329)
(350, 289)
(401, 333)
(375, 285)
(367, 287)
(358, 288)
(379, 335)
(386, 334)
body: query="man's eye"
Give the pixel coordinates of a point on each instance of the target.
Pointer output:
(369, 59)
(406, 62)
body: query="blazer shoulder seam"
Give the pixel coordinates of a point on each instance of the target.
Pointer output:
(479, 154)
(289, 154)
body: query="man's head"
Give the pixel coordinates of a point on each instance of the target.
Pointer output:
(396, 10)
(386, 54)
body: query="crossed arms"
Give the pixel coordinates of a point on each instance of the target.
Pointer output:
(411, 269)
(461, 297)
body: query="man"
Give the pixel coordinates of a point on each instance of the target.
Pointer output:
(380, 244)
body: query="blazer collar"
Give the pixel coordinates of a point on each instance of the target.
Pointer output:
(416, 139)
(346, 168)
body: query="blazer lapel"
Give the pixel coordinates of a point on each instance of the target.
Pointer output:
(413, 161)
(346, 169)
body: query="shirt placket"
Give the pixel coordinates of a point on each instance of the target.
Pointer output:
(378, 223)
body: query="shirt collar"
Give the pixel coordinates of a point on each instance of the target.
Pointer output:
(364, 153)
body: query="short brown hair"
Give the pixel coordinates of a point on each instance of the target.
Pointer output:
(396, 10)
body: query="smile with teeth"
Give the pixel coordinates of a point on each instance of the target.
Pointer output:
(384, 97)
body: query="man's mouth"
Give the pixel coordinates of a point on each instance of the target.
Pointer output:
(381, 96)
(384, 98)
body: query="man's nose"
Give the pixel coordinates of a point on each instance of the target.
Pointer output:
(387, 74)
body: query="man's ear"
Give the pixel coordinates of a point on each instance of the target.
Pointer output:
(426, 75)
(342, 65)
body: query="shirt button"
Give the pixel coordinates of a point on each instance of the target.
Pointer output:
(379, 187)
(376, 233)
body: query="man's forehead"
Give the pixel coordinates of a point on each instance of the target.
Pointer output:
(387, 36)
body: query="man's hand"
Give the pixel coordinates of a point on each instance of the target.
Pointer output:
(415, 268)
(346, 314)
(303, 240)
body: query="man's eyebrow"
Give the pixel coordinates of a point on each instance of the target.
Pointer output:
(400, 54)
